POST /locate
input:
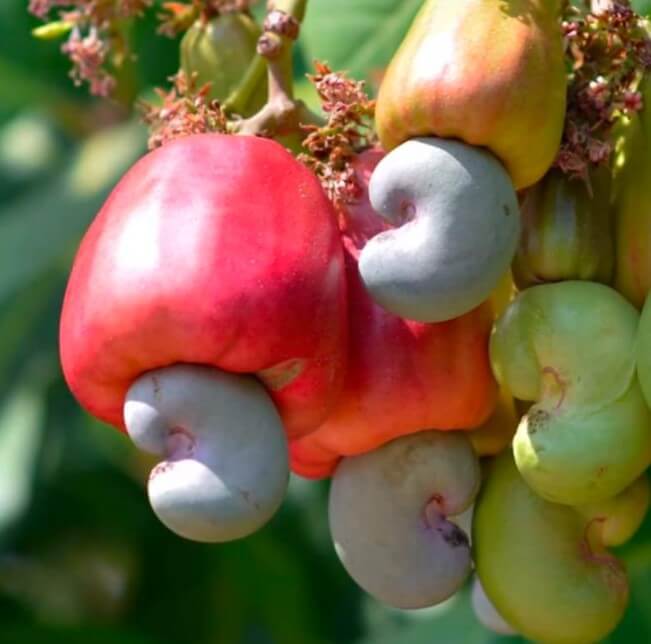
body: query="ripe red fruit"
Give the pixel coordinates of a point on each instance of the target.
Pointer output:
(214, 250)
(402, 376)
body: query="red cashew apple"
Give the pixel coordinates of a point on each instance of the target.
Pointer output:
(218, 251)
(403, 376)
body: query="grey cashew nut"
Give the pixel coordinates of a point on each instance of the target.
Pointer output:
(225, 469)
(457, 228)
(388, 517)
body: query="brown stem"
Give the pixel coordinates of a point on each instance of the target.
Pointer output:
(282, 115)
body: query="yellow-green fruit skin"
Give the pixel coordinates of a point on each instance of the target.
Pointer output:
(644, 350)
(219, 52)
(488, 72)
(537, 566)
(632, 205)
(566, 231)
(571, 347)
(619, 518)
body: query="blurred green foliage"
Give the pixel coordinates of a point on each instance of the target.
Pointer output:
(82, 558)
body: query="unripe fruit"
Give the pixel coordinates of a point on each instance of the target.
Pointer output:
(571, 347)
(488, 72)
(566, 231)
(486, 613)
(389, 514)
(542, 565)
(456, 227)
(219, 51)
(632, 206)
(226, 468)
(619, 518)
(497, 432)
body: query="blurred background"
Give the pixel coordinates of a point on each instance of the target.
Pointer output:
(82, 558)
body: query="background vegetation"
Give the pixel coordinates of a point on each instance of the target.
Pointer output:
(82, 558)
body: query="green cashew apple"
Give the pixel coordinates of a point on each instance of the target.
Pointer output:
(389, 512)
(486, 613)
(544, 567)
(566, 231)
(455, 227)
(632, 205)
(620, 517)
(220, 51)
(644, 350)
(571, 348)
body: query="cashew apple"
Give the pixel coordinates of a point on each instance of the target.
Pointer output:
(490, 73)
(223, 252)
(455, 228)
(544, 566)
(620, 517)
(389, 510)
(402, 376)
(566, 230)
(486, 613)
(496, 433)
(632, 205)
(571, 348)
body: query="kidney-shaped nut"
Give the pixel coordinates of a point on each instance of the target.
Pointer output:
(456, 227)
(389, 512)
(225, 469)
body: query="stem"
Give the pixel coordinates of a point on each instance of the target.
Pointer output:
(282, 115)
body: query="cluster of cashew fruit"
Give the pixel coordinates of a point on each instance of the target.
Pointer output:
(223, 314)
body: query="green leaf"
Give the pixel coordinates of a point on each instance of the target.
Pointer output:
(359, 36)
(36, 634)
(643, 7)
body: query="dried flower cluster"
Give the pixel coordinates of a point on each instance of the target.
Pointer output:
(178, 16)
(184, 110)
(95, 43)
(608, 54)
(331, 148)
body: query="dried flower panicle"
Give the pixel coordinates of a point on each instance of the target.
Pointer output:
(331, 148)
(177, 17)
(95, 43)
(608, 54)
(184, 110)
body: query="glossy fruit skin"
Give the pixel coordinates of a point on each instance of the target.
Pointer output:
(214, 250)
(496, 433)
(488, 72)
(402, 376)
(571, 348)
(567, 233)
(219, 51)
(542, 567)
(632, 206)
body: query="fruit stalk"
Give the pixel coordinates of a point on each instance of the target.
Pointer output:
(282, 115)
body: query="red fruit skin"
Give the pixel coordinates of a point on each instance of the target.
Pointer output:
(402, 376)
(215, 250)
